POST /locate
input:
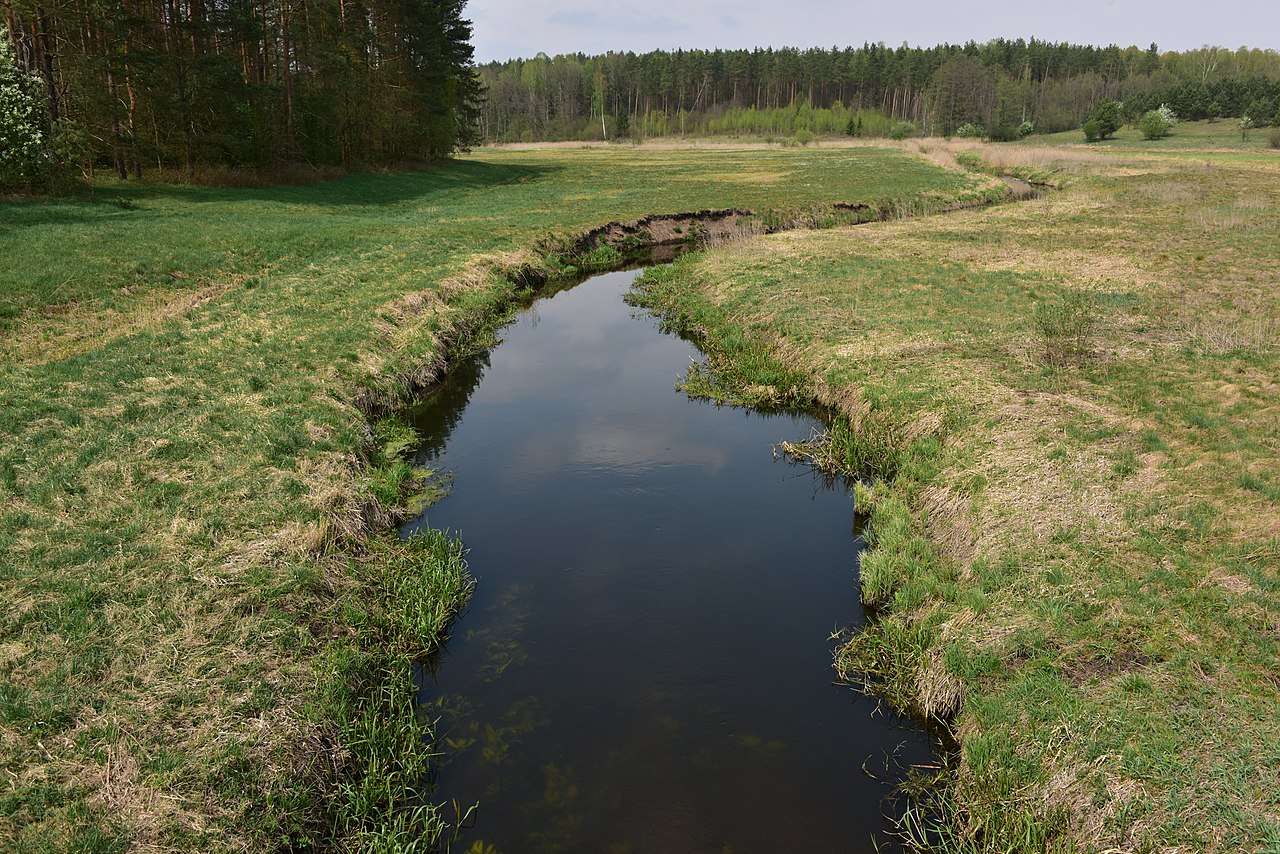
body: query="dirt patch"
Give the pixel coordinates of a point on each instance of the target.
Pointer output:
(1105, 667)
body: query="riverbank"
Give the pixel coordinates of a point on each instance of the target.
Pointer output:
(1065, 410)
(208, 631)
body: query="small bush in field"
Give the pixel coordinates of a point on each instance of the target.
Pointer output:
(902, 130)
(1065, 326)
(1154, 125)
(969, 130)
(1026, 129)
(1092, 131)
(1107, 117)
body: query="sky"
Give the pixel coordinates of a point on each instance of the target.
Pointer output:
(512, 28)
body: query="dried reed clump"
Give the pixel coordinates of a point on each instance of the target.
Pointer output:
(939, 692)
(1219, 219)
(947, 153)
(1233, 334)
(946, 516)
(338, 488)
(522, 267)
(1171, 191)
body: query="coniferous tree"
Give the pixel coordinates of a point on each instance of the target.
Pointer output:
(1053, 86)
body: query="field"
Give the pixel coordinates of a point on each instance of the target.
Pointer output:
(207, 628)
(1186, 137)
(1067, 410)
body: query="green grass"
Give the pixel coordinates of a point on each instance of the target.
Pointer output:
(207, 630)
(1185, 137)
(1074, 556)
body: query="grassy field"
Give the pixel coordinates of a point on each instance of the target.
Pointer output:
(1070, 413)
(206, 631)
(1186, 137)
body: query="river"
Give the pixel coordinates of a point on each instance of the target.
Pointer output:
(646, 665)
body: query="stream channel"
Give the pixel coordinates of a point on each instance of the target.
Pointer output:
(646, 664)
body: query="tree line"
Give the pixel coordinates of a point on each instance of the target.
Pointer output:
(135, 84)
(1000, 85)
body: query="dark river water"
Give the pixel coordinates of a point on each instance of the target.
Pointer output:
(646, 665)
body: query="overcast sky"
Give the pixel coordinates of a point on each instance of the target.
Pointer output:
(510, 28)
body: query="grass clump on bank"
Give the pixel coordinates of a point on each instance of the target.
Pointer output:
(382, 797)
(1065, 411)
(209, 625)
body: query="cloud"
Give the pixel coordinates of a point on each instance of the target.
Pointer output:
(508, 28)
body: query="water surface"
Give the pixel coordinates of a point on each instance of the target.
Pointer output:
(646, 663)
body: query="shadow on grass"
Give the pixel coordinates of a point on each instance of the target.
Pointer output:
(367, 189)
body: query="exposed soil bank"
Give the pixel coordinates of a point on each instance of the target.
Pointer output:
(709, 227)
(665, 230)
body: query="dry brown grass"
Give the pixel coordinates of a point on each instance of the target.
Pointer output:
(68, 329)
(1059, 159)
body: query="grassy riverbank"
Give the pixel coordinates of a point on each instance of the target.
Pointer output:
(1068, 408)
(207, 630)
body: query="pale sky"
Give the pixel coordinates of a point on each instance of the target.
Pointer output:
(511, 28)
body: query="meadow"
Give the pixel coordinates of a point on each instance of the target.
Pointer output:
(1063, 411)
(1065, 414)
(208, 625)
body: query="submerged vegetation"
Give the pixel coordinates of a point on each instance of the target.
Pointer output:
(1064, 411)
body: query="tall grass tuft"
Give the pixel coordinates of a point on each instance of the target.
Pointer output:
(388, 748)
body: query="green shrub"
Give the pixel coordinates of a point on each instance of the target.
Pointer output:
(23, 158)
(868, 123)
(969, 130)
(1026, 129)
(804, 136)
(1154, 125)
(70, 149)
(1065, 326)
(1107, 117)
(1262, 111)
(1092, 131)
(902, 130)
